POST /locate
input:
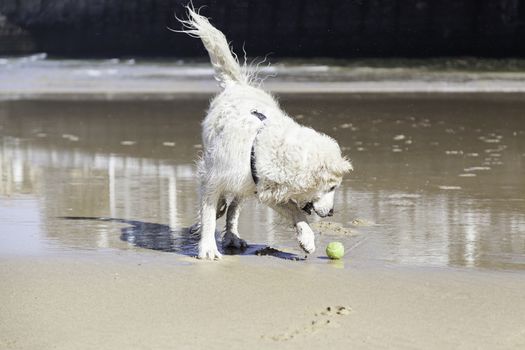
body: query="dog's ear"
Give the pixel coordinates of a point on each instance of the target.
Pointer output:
(329, 171)
(341, 167)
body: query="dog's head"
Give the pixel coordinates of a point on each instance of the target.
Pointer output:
(306, 167)
(326, 179)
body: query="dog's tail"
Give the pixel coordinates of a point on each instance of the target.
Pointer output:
(224, 61)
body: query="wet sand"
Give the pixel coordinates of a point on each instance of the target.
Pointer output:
(438, 179)
(433, 219)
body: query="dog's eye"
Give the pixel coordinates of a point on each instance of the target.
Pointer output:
(332, 188)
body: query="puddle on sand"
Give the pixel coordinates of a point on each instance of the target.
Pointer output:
(133, 160)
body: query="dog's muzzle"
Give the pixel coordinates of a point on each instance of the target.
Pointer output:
(308, 208)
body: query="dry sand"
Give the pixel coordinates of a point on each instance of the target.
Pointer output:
(165, 301)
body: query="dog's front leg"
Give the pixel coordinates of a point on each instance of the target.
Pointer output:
(207, 245)
(305, 235)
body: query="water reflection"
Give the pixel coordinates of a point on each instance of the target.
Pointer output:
(100, 159)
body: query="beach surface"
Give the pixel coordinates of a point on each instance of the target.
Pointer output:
(154, 301)
(98, 189)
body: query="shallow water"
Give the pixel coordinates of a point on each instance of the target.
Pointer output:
(439, 179)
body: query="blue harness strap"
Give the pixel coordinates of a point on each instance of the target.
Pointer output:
(259, 115)
(255, 178)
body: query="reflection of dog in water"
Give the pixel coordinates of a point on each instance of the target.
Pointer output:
(251, 146)
(150, 235)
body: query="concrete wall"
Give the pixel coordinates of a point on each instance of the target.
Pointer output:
(331, 28)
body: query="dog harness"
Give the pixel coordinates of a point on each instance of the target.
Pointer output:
(262, 118)
(309, 206)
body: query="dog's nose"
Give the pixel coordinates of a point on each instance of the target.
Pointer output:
(331, 212)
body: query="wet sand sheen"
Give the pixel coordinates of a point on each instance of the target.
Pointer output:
(440, 178)
(432, 219)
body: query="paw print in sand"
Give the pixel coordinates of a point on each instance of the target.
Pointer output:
(322, 319)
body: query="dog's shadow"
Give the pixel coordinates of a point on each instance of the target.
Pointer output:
(185, 241)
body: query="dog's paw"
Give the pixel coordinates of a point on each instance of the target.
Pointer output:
(209, 252)
(306, 237)
(231, 240)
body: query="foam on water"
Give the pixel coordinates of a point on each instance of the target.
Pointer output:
(39, 74)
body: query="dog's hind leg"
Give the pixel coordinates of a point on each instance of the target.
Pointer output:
(207, 245)
(231, 237)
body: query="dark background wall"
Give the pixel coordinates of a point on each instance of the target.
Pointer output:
(301, 28)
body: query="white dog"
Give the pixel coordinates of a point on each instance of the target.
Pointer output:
(252, 148)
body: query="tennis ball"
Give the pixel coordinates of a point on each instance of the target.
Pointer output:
(335, 250)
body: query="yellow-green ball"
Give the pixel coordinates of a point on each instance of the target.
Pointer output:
(335, 250)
